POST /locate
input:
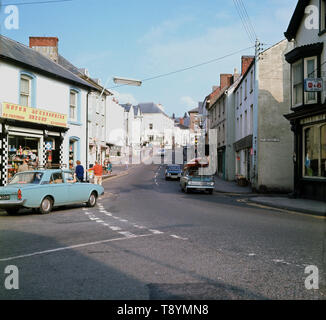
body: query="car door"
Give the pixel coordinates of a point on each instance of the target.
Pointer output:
(59, 189)
(78, 191)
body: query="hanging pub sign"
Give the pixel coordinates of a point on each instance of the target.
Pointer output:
(313, 84)
(22, 113)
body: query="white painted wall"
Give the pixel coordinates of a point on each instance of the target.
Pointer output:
(52, 95)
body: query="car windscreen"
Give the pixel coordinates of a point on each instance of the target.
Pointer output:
(174, 168)
(27, 177)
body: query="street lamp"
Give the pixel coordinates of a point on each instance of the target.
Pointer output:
(126, 81)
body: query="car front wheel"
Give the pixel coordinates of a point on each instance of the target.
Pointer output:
(92, 200)
(46, 206)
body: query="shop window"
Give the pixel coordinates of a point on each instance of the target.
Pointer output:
(297, 83)
(323, 150)
(74, 151)
(310, 72)
(315, 151)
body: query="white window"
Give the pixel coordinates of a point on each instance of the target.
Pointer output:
(251, 81)
(297, 86)
(25, 90)
(310, 71)
(245, 123)
(73, 105)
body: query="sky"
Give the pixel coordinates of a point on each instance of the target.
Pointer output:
(141, 39)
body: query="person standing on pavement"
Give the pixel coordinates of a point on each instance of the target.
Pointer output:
(23, 167)
(79, 171)
(98, 172)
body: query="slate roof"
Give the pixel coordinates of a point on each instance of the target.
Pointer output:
(126, 106)
(193, 110)
(181, 126)
(296, 19)
(150, 107)
(16, 52)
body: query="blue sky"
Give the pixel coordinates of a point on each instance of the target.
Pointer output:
(144, 38)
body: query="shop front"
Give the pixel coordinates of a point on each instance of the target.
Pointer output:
(309, 155)
(31, 135)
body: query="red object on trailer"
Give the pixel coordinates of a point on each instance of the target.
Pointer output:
(197, 162)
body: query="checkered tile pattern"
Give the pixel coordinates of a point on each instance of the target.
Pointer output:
(61, 154)
(43, 157)
(4, 161)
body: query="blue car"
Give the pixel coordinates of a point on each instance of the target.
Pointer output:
(173, 171)
(42, 190)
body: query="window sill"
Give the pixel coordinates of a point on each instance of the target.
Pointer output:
(76, 123)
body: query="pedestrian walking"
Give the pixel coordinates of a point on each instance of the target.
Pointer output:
(98, 172)
(109, 167)
(79, 171)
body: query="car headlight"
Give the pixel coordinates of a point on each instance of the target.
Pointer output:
(211, 183)
(190, 183)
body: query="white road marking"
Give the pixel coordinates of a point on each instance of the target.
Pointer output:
(155, 231)
(71, 247)
(178, 237)
(123, 220)
(139, 227)
(109, 214)
(99, 221)
(115, 228)
(127, 234)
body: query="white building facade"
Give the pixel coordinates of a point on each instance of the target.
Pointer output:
(43, 109)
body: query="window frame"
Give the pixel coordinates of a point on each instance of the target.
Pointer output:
(300, 61)
(32, 88)
(305, 66)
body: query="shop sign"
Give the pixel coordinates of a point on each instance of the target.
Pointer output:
(313, 85)
(22, 113)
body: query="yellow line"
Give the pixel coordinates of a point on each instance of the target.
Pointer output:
(282, 210)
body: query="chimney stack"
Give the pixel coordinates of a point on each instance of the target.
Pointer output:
(48, 46)
(245, 63)
(226, 80)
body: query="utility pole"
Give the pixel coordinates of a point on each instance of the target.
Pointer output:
(254, 170)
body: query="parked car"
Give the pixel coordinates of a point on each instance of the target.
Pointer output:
(173, 171)
(192, 180)
(42, 190)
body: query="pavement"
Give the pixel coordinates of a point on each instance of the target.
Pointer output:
(282, 201)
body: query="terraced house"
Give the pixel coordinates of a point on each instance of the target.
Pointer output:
(43, 109)
(307, 31)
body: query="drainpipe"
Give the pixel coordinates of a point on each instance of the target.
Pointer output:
(87, 138)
